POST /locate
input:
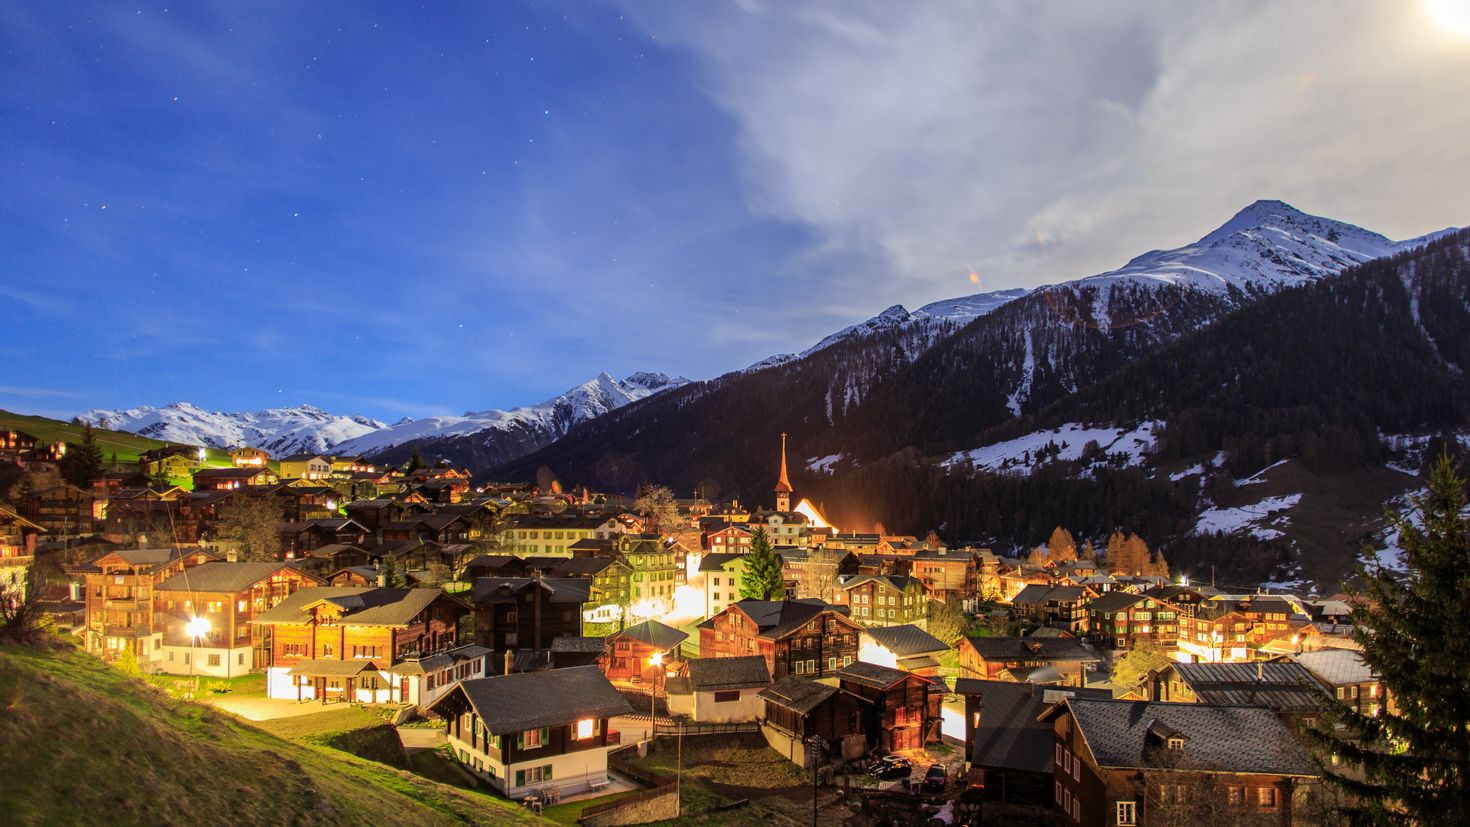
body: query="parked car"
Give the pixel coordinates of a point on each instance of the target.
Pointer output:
(935, 778)
(890, 767)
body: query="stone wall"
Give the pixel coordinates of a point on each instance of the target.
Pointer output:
(658, 804)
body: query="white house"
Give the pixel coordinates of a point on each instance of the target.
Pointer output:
(720, 690)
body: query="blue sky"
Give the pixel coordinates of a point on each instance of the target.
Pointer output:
(405, 210)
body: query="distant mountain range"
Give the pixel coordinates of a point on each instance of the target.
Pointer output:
(306, 429)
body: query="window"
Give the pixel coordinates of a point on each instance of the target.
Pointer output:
(811, 667)
(1057, 790)
(1127, 813)
(1236, 796)
(1058, 748)
(533, 738)
(727, 696)
(1176, 743)
(832, 664)
(1266, 797)
(586, 728)
(240, 659)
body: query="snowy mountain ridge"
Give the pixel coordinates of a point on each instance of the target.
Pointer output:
(282, 431)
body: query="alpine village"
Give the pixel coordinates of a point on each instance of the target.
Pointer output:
(1180, 543)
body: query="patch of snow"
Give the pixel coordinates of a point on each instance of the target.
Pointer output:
(1258, 477)
(1022, 454)
(1028, 371)
(1188, 472)
(282, 431)
(1262, 520)
(823, 465)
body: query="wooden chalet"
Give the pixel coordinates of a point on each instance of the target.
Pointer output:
(1121, 620)
(538, 732)
(228, 596)
(1142, 763)
(799, 709)
(349, 644)
(1047, 660)
(905, 647)
(206, 479)
(119, 589)
(883, 599)
(629, 655)
(527, 613)
(796, 637)
(903, 708)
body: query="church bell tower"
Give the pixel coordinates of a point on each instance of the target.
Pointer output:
(783, 485)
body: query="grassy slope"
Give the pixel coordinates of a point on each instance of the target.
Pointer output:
(127, 446)
(104, 748)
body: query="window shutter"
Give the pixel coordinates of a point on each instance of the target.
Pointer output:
(545, 736)
(546, 773)
(520, 778)
(520, 741)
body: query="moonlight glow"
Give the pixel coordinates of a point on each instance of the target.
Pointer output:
(1452, 15)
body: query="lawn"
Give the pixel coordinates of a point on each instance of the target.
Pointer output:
(102, 746)
(570, 812)
(249, 686)
(126, 446)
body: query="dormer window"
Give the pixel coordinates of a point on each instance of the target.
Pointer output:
(1176, 743)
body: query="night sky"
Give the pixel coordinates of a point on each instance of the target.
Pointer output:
(407, 210)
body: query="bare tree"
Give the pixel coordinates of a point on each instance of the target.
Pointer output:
(251, 524)
(659, 510)
(21, 618)
(819, 577)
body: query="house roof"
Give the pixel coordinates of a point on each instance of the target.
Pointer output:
(585, 645)
(361, 605)
(774, 619)
(1337, 667)
(871, 674)
(230, 578)
(655, 634)
(1123, 734)
(906, 640)
(514, 703)
(505, 589)
(1282, 686)
(1010, 736)
(1031, 648)
(302, 458)
(716, 562)
(1116, 601)
(439, 660)
(799, 695)
(331, 668)
(712, 674)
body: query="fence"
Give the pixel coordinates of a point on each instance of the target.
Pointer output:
(672, 728)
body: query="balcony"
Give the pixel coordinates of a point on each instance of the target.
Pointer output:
(613, 738)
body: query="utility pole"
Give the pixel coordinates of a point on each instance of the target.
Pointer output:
(815, 742)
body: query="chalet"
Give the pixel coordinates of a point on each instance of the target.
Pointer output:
(1142, 763)
(799, 710)
(1186, 599)
(119, 597)
(368, 576)
(347, 644)
(1009, 746)
(653, 566)
(142, 514)
(174, 462)
(883, 600)
(1120, 620)
(342, 466)
(530, 732)
(783, 528)
(902, 712)
(297, 538)
(1061, 607)
(249, 457)
(1348, 678)
(722, 575)
(374, 514)
(800, 577)
(15, 445)
(796, 637)
(305, 467)
(527, 613)
(1284, 687)
(227, 597)
(727, 538)
(206, 479)
(720, 690)
(493, 565)
(554, 535)
(17, 535)
(905, 647)
(1060, 660)
(949, 575)
(642, 653)
(610, 586)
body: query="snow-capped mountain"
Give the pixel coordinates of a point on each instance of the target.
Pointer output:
(282, 431)
(532, 425)
(933, 321)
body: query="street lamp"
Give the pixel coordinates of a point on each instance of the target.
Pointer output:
(196, 628)
(815, 742)
(654, 660)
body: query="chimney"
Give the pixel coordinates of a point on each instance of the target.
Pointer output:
(232, 556)
(1030, 689)
(510, 659)
(1260, 672)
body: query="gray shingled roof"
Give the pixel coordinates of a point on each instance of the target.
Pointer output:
(775, 619)
(871, 674)
(711, 674)
(716, 562)
(1116, 601)
(1281, 686)
(584, 645)
(229, 578)
(655, 634)
(515, 703)
(797, 694)
(906, 640)
(439, 660)
(1031, 648)
(1217, 738)
(332, 668)
(361, 605)
(1338, 667)
(505, 589)
(1010, 736)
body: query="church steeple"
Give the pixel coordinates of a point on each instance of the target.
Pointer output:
(783, 485)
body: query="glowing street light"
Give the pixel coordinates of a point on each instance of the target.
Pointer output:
(655, 660)
(201, 456)
(196, 628)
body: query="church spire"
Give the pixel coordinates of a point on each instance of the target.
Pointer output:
(783, 485)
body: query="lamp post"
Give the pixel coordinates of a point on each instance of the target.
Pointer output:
(815, 742)
(196, 628)
(655, 660)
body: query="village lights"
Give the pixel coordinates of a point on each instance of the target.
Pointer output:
(201, 455)
(196, 628)
(654, 661)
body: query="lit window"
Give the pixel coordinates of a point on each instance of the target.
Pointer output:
(1127, 812)
(586, 728)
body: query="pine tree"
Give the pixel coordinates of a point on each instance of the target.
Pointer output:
(1412, 762)
(762, 578)
(415, 462)
(83, 463)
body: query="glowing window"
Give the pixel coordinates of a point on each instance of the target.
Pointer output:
(586, 728)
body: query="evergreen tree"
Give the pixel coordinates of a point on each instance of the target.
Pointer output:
(762, 579)
(415, 462)
(391, 578)
(83, 463)
(1412, 762)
